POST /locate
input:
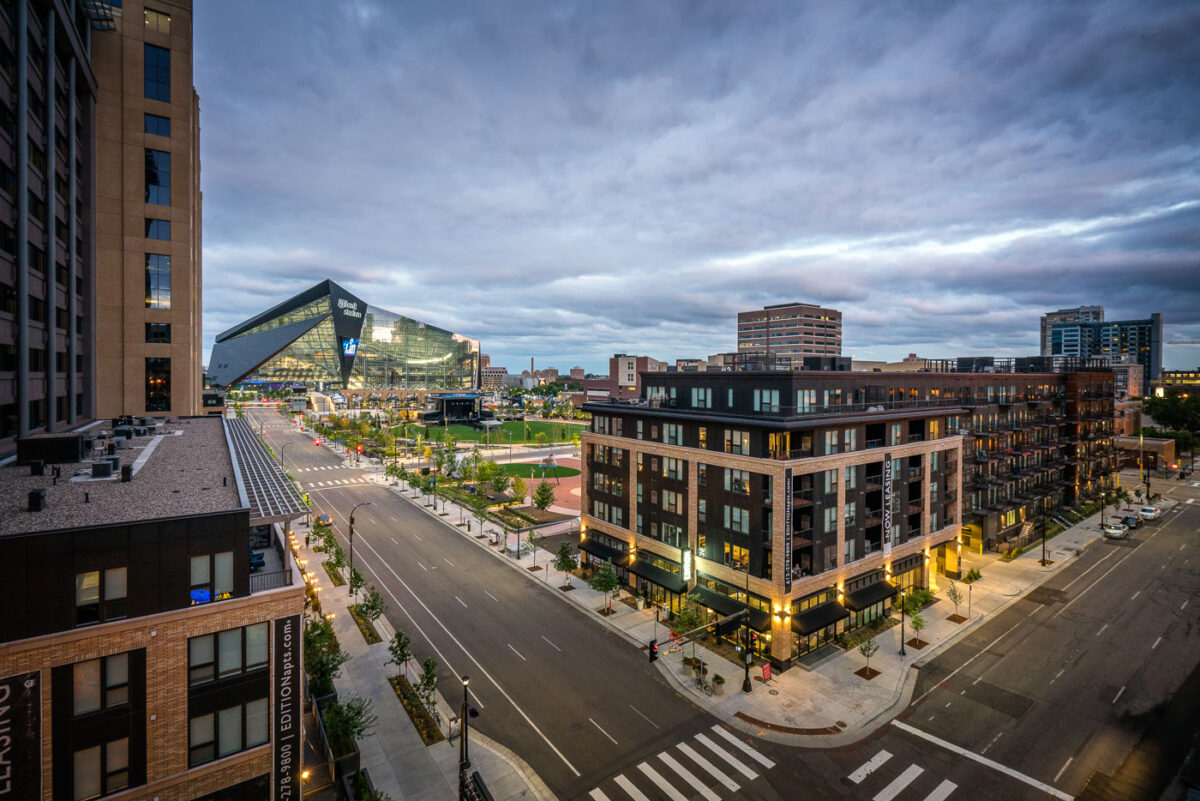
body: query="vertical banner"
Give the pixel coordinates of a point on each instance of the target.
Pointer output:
(787, 529)
(21, 737)
(286, 756)
(887, 505)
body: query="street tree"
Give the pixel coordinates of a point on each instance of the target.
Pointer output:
(373, 606)
(605, 580)
(535, 541)
(868, 649)
(427, 683)
(357, 582)
(543, 496)
(917, 622)
(400, 648)
(955, 595)
(500, 481)
(520, 489)
(564, 562)
(691, 615)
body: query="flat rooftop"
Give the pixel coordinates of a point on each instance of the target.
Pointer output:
(182, 469)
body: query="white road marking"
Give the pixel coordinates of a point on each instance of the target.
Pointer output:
(1136, 594)
(1101, 631)
(552, 645)
(1183, 605)
(493, 597)
(1007, 771)
(394, 540)
(716, 749)
(523, 659)
(392, 518)
(594, 723)
(750, 752)
(447, 561)
(1063, 768)
(870, 766)
(461, 601)
(899, 783)
(688, 777)
(1181, 547)
(1156, 642)
(417, 537)
(648, 720)
(942, 791)
(627, 786)
(662, 783)
(712, 769)
(986, 648)
(1120, 692)
(1083, 592)
(597, 795)
(422, 566)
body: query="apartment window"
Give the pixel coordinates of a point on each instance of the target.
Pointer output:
(851, 477)
(851, 440)
(639, 429)
(703, 437)
(701, 398)
(158, 385)
(158, 177)
(618, 517)
(737, 481)
(702, 510)
(851, 514)
(158, 332)
(227, 731)
(101, 769)
(830, 518)
(849, 551)
(100, 684)
(158, 21)
(935, 460)
(766, 400)
(933, 521)
(212, 577)
(156, 125)
(227, 653)
(896, 434)
(737, 442)
(672, 434)
(639, 493)
(737, 557)
(158, 281)
(831, 480)
(935, 429)
(640, 529)
(672, 502)
(737, 519)
(729, 399)
(831, 442)
(671, 535)
(806, 400)
(640, 461)
(672, 468)
(100, 596)
(158, 73)
(37, 309)
(833, 397)
(702, 474)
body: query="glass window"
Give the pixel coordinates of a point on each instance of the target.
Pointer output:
(158, 281)
(201, 745)
(158, 229)
(201, 659)
(86, 691)
(256, 645)
(88, 782)
(158, 177)
(158, 73)
(229, 653)
(831, 442)
(87, 598)
(157, 126)
(256, 723)
(229, 731)
(159, 333)
(157, 21)
(223, 574)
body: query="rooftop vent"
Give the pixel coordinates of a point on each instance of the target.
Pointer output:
(37, 500)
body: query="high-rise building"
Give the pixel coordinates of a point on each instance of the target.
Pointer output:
(625, 374)
(1117, 340)
(47, 285)
(790, 330)
(147, 213)
(1080, 314)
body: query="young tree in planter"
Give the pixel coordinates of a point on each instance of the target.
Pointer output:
(690, 616)
(357, 582)
(427, 684)
(605, 580)
(564, 562)
(955, 595)
(520, 489)
(535, 541)
(500, 480)
(400, 648)
(868, 649)
(543, 496)
(917, 622)
(373, 606)
(347, 721)
(336, 557)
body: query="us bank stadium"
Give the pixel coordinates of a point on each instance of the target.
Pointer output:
(328, 339)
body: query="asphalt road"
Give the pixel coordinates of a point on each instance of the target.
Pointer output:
(1063, 693)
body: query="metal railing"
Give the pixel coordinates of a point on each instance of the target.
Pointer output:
(261, 582)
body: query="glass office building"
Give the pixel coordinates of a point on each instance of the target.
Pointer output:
(329, 339)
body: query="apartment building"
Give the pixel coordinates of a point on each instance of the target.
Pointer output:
(1138, 341)
(148, 212)
(625, 374)
(790, 330)
(151, 642)
(810, 499)
(1079, 314)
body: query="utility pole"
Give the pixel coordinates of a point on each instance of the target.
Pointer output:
(902, 651)
(350, 584)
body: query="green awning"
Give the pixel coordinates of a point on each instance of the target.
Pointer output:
(663, 578)
(602, 551)
(818, 617)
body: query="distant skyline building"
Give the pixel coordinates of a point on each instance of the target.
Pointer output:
(1079, 314)
(790, 330)
(624, 374)
(1119, 340)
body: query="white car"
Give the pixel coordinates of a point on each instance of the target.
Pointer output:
(1116, 531)
(1149, 512)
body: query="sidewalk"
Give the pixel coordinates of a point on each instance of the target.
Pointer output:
(822, 703)
(400, 764)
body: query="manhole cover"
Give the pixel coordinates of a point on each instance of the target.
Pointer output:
(773, 692)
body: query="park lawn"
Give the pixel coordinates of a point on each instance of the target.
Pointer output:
(514, 433)
(533, 470)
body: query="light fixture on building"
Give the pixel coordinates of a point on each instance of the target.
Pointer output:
(687, 564)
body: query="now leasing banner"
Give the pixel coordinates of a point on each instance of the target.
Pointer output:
(887, 505)
(21, 737)
(288, 710)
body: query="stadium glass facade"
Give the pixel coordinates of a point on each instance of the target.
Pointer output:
(329, 339)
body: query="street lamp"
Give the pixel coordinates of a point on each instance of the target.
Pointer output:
(464, 754)
(902, 651)
(282, 451)
(746, 685)
(1102, 505)
(352, 511)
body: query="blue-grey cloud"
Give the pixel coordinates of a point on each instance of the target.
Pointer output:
(567, 180)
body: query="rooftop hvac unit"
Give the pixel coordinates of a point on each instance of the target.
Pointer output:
(102, 469)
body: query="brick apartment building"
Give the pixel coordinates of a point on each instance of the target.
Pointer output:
(810, 499)
(151, 642)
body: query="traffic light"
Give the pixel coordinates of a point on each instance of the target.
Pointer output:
(653, 650)
(360, 448)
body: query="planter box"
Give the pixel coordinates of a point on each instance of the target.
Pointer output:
(718, 687)
(347, 765)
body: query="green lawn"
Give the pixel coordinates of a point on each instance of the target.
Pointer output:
(512, 432)
(525, 470)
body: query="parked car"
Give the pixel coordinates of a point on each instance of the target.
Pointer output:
(1149, 512)
(1116, 531)
(1132, 521)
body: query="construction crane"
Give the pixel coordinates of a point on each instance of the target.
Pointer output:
(1183, 342)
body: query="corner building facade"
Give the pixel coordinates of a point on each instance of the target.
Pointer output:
(808, 499)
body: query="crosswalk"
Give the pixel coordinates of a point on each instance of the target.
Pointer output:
(876, 770)
(324, 467)
(344, 482)
(688, 771)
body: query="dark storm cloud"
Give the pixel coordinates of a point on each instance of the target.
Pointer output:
(569, 180)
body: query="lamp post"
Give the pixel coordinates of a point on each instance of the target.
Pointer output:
(746, 685)
(902, 651)
(352, 511)
(282, 451)
(1102, 505)
(464, 754)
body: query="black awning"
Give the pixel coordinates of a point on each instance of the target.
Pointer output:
(819, 617)
(663, 578)
(721, 604)
(760, 621)
(602, 551)
(869, 595)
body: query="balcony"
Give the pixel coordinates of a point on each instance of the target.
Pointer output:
(802, 498)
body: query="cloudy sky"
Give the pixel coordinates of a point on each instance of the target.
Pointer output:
(570, 180)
